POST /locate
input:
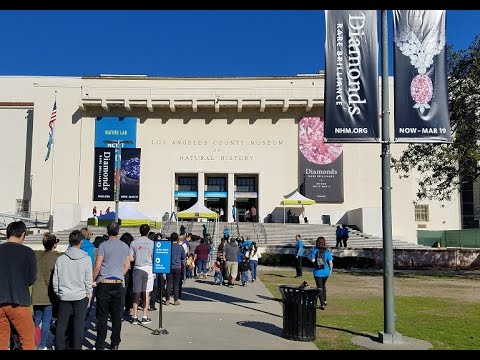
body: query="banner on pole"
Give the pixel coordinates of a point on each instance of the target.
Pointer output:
(162, 256)
(320, 165)
(130, 174)
(114, 128)
(421, 88)
(351, 76)
(103, 174)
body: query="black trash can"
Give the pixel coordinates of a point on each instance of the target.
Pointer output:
(299, 312)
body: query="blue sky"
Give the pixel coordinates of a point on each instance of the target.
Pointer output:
(178, 43)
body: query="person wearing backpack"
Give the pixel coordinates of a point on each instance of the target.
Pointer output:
(322, 268)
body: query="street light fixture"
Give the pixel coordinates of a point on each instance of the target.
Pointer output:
(118, 159)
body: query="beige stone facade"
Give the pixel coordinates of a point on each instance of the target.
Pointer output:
(197, 127)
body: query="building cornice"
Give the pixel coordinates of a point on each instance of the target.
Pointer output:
(202, 93)
(15, 105)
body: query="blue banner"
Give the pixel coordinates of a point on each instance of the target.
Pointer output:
(162, 256)
(215, 194)
(115, 128)
(185, 194)
(130, 174)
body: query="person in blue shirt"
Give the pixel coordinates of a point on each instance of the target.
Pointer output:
(247, 244)
(298, 255)
(226, 232)
(322, 268)
(338, 234)
(86, 245)
(344, 235)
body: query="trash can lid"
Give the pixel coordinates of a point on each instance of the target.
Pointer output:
(296, 287)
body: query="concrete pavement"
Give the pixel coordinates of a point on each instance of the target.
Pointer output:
(212, 317)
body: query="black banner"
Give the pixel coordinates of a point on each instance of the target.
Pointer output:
(130, 175)
(421, 91)
(103, 174)
(351, 76)
(320, 165)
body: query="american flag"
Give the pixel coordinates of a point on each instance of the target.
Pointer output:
(51, 125)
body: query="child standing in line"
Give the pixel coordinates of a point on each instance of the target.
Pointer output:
(190, 265)
(217, 268)
(243, 268)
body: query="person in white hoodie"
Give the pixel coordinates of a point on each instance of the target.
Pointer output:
(72, 282)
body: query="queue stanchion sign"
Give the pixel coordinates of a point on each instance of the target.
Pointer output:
(162, 260)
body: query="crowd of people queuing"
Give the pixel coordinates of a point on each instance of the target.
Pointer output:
(113, 272)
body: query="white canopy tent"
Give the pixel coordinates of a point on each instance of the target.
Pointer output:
(200, 211)
(296, 199)
(128, 211)
(131, 216)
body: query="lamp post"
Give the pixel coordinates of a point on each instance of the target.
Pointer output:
(389, 335)
(118, 167)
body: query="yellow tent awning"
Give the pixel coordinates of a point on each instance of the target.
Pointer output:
(298, 202)
(298, 199)
(194, 215)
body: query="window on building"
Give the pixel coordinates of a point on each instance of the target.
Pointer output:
(22, 207)
(216, 184)
(187, 183)
(421, 212)
(246, 184)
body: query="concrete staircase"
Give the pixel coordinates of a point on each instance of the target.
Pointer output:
(274, 234)
(265, 234)
(284, 234)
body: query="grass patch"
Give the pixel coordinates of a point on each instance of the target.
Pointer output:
(441, 310)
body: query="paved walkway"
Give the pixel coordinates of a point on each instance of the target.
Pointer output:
(213, 317)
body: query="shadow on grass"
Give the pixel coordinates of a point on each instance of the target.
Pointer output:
(262, 326)
(371, 337)
(278, 331)
(277, 275)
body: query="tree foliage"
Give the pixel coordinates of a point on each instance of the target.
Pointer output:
(442, 167)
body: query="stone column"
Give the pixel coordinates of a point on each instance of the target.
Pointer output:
(231, 196)
(201, 188)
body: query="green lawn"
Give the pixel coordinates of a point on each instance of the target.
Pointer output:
(441, 310)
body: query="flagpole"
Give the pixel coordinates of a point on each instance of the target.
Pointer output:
(52, 177)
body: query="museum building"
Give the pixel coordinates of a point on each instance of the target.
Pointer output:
(224, 142)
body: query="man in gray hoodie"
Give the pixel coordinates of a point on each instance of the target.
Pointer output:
(72, 282)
